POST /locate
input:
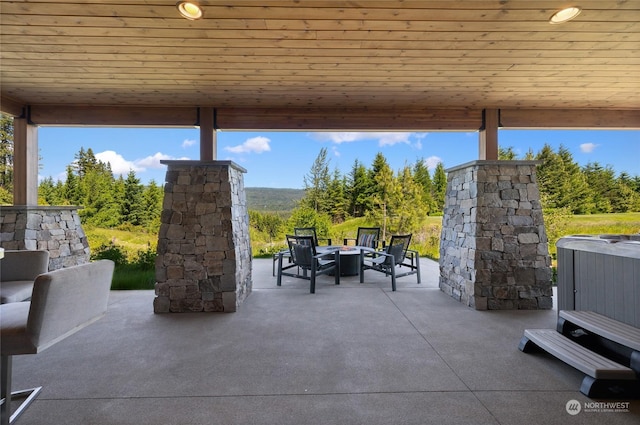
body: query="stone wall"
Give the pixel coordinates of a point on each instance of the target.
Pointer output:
(204, 249)
(493, 246)
(52, 228)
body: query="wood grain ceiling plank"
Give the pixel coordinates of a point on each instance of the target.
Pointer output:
(221, 27)
(169, 37)
(386, 11)
(371, 49)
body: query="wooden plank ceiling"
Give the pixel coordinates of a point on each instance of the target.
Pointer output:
(376, 61)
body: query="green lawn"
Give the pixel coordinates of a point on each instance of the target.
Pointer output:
(426, 241)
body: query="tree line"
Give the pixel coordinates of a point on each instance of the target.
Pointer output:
(396, 200)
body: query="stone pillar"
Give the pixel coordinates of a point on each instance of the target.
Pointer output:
(493, 247)
(51, 228)
(204, 249)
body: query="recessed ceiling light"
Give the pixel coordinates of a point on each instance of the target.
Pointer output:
(564, 15)
(190, 10)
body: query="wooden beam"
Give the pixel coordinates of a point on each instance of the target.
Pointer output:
(25, 163)
(11, 107)
(488, 138)
(113, 116)
(570, 118)
(208, 139)
(338, 119)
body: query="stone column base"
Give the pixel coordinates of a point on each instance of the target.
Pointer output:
(204, 250)
(56, 229)
(493, 246)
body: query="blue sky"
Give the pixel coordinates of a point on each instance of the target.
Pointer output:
(281, 159)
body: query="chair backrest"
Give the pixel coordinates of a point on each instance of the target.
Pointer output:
(307, 231)
(398, 247)
(302, 249)
(66, 300)
(23, 264)
(368, 236)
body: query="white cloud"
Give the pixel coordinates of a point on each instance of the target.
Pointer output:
(588, 147)
(187, 143)
(122, 166)
(153, 161)
(383, 138)
(432, 162)
(257, 144)
(119, 165)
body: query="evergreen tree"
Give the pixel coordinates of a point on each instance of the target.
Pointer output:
(561, 179)
(423, 178)
(50, 193)
(152, 199)
(439, 186)
(357, 190)
(506, 154)
(97, 192)
(337, 203)
(71, 188)
(6, 153)
(385, 192)
(602, 184)
(316, 184)
(409, 208)
(85, 161)
(132, 207)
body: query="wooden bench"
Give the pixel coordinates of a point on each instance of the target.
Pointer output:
(605, 378)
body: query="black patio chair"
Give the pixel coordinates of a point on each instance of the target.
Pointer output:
(395, 255)
(298, 231)
(310, 231)
(366, 236)
(305, 258)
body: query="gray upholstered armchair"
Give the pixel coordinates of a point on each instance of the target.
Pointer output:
(18, 270)
(63, 302)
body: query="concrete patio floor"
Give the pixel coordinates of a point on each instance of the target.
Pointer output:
(349, 354)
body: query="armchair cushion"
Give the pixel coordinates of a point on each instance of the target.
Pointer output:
(14, 328)
(18, 270)
(63, 302)
(15, 291)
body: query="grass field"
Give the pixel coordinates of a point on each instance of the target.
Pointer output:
(134, 241)
(426, 241)
(598, 224)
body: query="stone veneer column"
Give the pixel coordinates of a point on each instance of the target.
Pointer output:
(204, 250)
(493, 247)
(56, 229)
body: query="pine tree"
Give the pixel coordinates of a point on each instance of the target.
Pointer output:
(357, 190)
(423, 178)
(439, 186)
(316, 183)
(132, 207)
(409, 208)
(506, 154)
(337, 203)
(6, 153)
(152, 198)
(385, 192)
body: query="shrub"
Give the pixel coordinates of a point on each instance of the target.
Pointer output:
(110, 252)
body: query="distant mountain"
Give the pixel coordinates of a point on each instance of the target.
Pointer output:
(270, 199)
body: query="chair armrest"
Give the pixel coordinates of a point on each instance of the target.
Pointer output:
(346, 240)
